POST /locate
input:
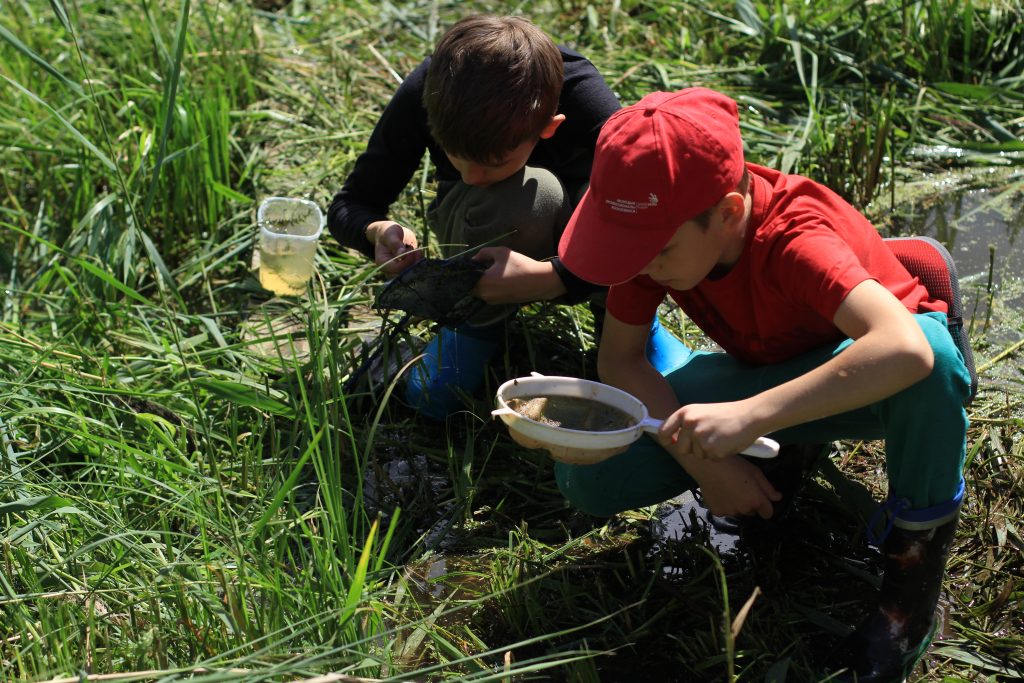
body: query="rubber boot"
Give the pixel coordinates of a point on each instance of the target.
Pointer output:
(664, 350)
(454, 363)
(887, 645)
(788, 472)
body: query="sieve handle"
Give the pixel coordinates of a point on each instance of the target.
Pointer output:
(498, 412)
(763, 447)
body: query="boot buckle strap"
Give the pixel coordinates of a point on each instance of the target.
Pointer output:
(897, 512)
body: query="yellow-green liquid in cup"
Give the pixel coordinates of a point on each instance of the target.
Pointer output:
(289, 229)
(287, 273)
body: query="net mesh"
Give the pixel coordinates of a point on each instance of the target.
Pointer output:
(435, 289)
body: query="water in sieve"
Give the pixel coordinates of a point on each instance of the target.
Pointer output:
(572, 412)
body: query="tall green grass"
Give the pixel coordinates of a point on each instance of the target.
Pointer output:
(184, 490)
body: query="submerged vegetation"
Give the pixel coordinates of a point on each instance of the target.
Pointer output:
(197, 480)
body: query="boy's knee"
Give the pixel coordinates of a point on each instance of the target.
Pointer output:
(542, 200)
(949, 374)
(545, 186)
(525, 212)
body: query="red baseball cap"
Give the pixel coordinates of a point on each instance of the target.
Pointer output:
(657, 164)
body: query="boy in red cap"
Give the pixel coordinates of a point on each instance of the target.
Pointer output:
(826, 336)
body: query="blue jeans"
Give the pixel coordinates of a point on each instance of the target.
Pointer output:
(924, 427)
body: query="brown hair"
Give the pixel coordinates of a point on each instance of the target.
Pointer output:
(493, 83)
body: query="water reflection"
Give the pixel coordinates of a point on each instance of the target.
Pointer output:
(686, 518)
(980, 227)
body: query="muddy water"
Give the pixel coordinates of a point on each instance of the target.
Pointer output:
(572, 412)
(686, 518)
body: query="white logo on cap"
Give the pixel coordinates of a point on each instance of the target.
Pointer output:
(630, 206)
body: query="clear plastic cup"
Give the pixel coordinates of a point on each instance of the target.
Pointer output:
(289, 231)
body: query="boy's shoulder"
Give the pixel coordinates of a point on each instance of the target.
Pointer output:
(802, 228)
(569, 54)
(787, 202)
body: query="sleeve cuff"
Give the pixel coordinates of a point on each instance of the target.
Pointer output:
(576, 289)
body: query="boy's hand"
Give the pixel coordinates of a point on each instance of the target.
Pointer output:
(734, 486)
(394, 246)
(515, 278)
(709, 430)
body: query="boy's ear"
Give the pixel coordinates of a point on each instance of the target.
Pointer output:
(552, 126)
(732, 207)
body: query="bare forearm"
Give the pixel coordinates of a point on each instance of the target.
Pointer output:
(733, 486)
(514, 278)
(640, 379)
(872, 368)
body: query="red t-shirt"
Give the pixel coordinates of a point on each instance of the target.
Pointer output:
(806, 249)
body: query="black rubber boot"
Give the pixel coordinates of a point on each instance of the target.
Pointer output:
(887, 645)
(790, 470)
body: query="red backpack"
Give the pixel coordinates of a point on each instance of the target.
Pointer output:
(929, 261)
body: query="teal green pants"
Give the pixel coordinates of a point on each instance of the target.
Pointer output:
(924, 427)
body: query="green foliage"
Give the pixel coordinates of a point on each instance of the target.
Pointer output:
(189, 484)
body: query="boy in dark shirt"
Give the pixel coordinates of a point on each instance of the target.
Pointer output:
(509, 120)
(826, 336)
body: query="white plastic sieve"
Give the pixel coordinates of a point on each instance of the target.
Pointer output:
(577, 446)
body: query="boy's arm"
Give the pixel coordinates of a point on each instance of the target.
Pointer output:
(515, 278)
(622, 363)
(380, 173)
(889, 353)
(731, 486)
